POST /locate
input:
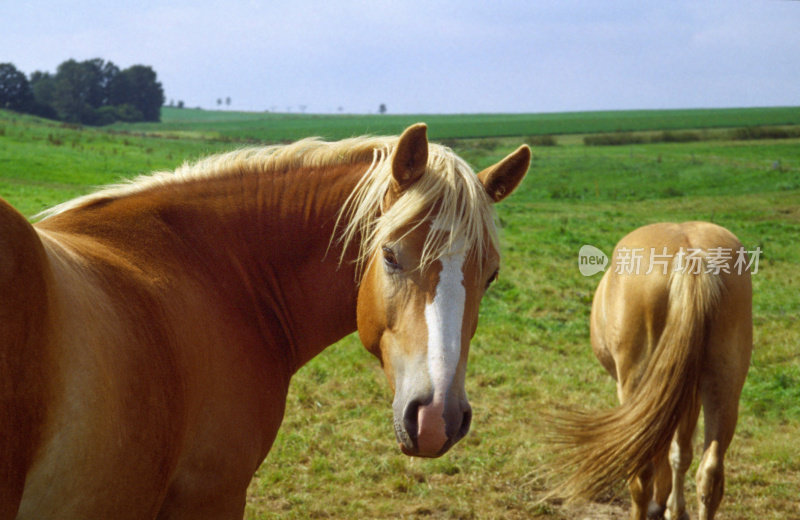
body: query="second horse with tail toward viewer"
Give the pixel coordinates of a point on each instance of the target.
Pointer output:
(674, 328)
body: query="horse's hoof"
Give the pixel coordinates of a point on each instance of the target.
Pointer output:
(655, 511)
(683, 516)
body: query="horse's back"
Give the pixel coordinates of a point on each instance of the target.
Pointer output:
(24, 363)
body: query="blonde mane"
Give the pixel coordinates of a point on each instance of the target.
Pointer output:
(464, 213)
(306, 153)
(449, 188)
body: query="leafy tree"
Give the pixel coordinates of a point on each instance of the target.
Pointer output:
(15, 90)
(93, 71)
(77, 91)
(43, 85)
(144, 91)
(93, 92)
(118, 89)
(108, 77)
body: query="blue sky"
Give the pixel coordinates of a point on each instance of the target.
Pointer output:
(428, 56)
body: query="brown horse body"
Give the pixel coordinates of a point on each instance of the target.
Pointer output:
(148, 335)
(671, 322)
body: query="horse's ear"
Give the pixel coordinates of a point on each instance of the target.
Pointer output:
(502, 178)
(410, 156)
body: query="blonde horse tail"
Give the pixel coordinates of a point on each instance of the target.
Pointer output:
(597, 451)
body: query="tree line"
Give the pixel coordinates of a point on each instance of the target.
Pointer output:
(91, 92)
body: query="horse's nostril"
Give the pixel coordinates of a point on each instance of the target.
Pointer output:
(411, 419)
(466, 420)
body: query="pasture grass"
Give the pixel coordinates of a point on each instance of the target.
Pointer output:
(279, 127)
(44, 162)
(336, 457)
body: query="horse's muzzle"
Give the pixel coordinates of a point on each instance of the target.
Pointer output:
(429, 430)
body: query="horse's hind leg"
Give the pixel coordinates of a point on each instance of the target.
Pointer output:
(720, 390)
(680, 458)
(662, 485)
(641, 488)
(722, 379)
(720, 423)
(670, 472)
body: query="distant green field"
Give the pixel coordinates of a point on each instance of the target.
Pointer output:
(336, 457)
(282, 127)
(45, 162)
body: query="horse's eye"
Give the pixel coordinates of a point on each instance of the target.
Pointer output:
(492, 278)
(390, 259)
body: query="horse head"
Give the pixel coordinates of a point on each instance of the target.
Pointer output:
(423, 282)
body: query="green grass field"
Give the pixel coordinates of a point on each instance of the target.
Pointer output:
(283, 127)
(335, 456)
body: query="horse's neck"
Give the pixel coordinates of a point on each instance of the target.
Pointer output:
(258, 244)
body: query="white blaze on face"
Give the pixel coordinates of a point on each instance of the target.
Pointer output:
(443, 316)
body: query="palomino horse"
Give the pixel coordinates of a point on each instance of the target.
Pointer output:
(149, 331)
(671, 322)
